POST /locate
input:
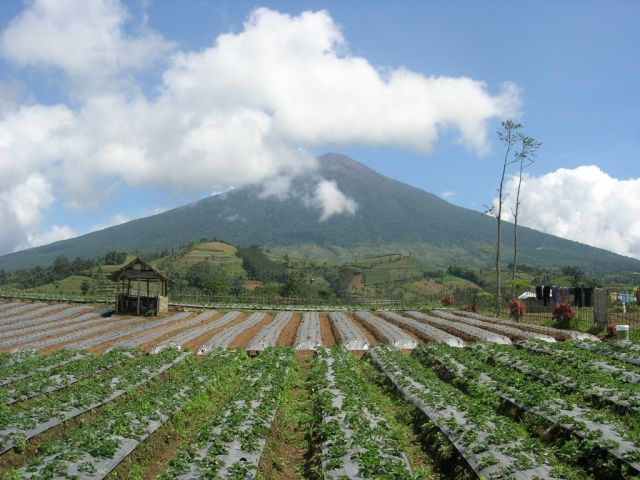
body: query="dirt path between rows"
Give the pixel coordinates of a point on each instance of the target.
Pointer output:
(288, 334)
(328, 339)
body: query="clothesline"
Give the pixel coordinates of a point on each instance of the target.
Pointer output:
(625, 297)
(556, 295)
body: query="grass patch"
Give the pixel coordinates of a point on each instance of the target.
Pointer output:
(288, 453)
(400, 416)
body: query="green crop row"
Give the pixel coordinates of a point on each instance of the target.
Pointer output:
(229, 445)
(356, 439)
(98, 446)
(593, 429)
(65, 375)
(595, 386)
(493, 446)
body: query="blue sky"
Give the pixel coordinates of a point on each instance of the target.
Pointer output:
(574, 64)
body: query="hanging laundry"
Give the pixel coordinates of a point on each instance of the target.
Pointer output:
(638, 296)
(587, 296)
(577, 297)
(546, 293)
(539, 292)
(554, 295)
(627, 298)
(560, 295)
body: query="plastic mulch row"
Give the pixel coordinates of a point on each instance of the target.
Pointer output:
(632, 358)
(509, 331)
(462, 329)
(87, 467)
(45, 367)
(253, 414)
(423, 330)
(309, 334)
(18, 309)
(268, 336)
(30, 315)
(443, 413)
(78, 334)
(150, 336)
(607, 394)
(592, 364)
(64, 317)
(348, 467)
(179, 339)
(623, 448)
(9, 434)
(557, 333)
(86, 320)
(60, 380)
(124, 332)
(224, 338)
(348, 335)
(387, 332)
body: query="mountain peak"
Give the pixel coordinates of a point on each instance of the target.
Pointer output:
(391, 216)
(338, 162)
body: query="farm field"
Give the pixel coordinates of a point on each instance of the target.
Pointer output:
(282, 395)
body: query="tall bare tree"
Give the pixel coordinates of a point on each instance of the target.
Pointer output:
(525, 157)
(508, 135)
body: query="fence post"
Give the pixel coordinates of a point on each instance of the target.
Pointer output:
(600, 310)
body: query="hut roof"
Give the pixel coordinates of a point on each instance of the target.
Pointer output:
(138, 270)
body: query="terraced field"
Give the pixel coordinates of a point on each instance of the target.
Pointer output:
(314, 395)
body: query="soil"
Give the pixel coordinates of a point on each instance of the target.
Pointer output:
(357, 283)
(288, 334)
(14, 333)
(102, 347)
(179, 329)
(80, 327)
(130, 322)
(195, 344)
(328, 339)
(370, 337)
(242, 340)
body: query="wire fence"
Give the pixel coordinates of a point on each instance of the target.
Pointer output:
(619, 312)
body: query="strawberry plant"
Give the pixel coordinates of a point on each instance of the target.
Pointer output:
(356, 440)
(231, 443)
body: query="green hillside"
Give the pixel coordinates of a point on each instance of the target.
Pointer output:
(391, 217)
(222, 255)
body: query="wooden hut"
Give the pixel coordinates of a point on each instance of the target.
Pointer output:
(141, 289)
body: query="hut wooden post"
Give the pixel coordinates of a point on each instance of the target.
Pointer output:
(138, 307)
(117, 296)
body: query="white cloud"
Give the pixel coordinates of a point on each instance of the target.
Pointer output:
(85, 38)
(21, 208)
(299, 69)
(448, 194)
(117, 219)
(583, 204)
(54, 234)
(331, 201)
(240, 112)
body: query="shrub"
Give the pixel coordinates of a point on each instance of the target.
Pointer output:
(447, 301)
(563, 314)
(516, 308)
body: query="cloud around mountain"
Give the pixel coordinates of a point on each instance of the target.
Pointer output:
(244, 111)
(583, 204)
